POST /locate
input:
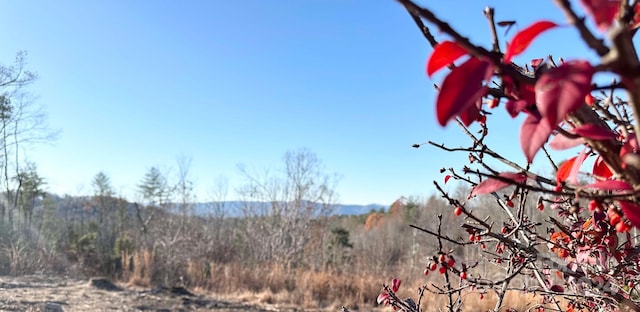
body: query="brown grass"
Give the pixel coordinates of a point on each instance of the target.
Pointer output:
(143, 268)
(276, 285)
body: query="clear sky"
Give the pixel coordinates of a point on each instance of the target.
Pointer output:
(135, 84)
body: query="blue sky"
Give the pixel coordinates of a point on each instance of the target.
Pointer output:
(135, 84)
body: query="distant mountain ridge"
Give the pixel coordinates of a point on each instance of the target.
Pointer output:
(229, 208)
(233, 208)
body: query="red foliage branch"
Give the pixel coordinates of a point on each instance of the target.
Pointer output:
(589, 244)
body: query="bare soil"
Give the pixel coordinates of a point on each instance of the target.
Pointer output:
(55, 294)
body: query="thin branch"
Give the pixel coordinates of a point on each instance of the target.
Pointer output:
(489, 13)
(476, 51)
(589, 38)
(424, 29)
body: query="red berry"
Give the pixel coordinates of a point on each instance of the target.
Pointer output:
(540, 206)
(433, 266)
(563, 253)
(631, 284)
(622, 227)
(442, 258)
(499, 260)
(593, 205)
(510, 203)
(426, 272)
(442, 270)
(472, 237)
(481, 296)
(614, 219)
(589, 99)
(504, 230)
(463, 275)
(457, 211)
(451, 262)
(483, 246)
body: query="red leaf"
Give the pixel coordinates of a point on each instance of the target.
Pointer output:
(382, 297)
(472, 112)
(536, 62)
(523, 96)
(446, 178)
(573, 176)
(630, 146)
(635, 21)
(444, 54)
(462, 88)
(602, 11)
(561, 90)
(565, 169)
(561, 142)
(590, 131)
(491, 185)
(584, 256)
(603, 255)
(523, 38)
(631, 211)
(395, 284)
(533, 134)
(610, 185)
(601, 169)
(515, 107)
(594, 132)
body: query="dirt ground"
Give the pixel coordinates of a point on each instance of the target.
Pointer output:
(55, 294)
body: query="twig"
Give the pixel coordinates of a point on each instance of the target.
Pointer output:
(446, 238)
(424, 29)
(489, 12)
(594, 43)
(476, 51)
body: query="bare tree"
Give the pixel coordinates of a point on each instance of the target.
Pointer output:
(280, 208)
(218, 196)
(22, 122)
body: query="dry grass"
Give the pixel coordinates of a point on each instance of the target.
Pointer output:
(316, 290)
(274, 284)
(330, 290)
(143, 268)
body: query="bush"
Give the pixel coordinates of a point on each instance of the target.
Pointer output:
(581, 255)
